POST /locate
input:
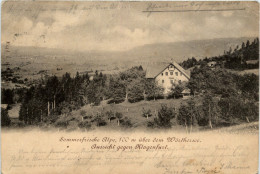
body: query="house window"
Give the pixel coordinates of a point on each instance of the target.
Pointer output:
(179, 81)
(162, 74)
(181, 74)
(166, 73)
(162, 81)
(171, 73)
(171, 81)
(176, 73)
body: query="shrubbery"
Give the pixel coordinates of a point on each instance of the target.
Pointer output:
(119, 117)
(188, 114)
(126, 122)
(5, 120)
(110, 115)
(84, 124)
(165, 115)
(147, 113)
(62, 123)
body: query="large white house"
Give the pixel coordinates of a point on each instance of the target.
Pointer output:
(167, 75)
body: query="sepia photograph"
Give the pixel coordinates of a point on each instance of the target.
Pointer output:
(161, 87)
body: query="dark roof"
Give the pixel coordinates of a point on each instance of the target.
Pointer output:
(154, 70)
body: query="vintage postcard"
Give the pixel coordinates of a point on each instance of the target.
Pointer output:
(127, 87)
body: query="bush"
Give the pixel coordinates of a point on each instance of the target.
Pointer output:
(110, 115)
(117, 91)
(21, 124)
(176, 91)
(83, 113)
(126, 122)
(134, 99)
(233, 108)
(52, 119)
(116, 100)
(84, 124)
(151, 124)
(185, 117)
(119, 116)
(20, 81)
(101, 122)
(165, 114)
(251, 112)
(136, 91)
(14, 80)
(147, 113)
(66, 107)
(88, 117)
(154, 97)
(189, 114)
(62, 123)
(5, 120)
(152, 90)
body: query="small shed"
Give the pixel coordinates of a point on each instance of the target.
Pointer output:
(186, 93)
(212, 64)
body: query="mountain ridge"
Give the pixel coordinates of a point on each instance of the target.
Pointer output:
(164, 51)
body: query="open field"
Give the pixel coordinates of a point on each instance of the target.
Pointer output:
(247, 71)
(133, 111)
(245, 128)
(250, 71)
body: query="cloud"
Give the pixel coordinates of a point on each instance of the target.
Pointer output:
(63, 20)
(125, 34)
(120, 28)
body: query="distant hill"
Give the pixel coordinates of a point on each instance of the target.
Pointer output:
(158, 52)
(180, 51)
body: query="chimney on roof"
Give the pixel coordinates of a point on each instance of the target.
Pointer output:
(171, 60)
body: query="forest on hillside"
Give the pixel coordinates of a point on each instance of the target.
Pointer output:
(237, 58)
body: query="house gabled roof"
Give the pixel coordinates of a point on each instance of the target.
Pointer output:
(153, 71)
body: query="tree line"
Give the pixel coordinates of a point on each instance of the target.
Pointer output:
(61, 95)
(221, 97)
(235, 58)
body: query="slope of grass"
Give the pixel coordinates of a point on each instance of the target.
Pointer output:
(132, 111)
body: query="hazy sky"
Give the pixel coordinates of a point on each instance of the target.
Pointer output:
(122, 26)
